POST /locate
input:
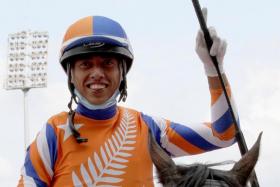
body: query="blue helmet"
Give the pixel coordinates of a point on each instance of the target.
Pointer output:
(95, 34)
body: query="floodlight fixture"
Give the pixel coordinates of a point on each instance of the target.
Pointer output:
(27, 66)
(27, 55)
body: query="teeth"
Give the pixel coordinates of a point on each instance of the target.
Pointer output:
(97, 86)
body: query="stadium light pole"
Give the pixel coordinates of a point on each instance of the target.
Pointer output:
(27, 66)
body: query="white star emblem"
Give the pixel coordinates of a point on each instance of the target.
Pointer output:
(67, 130)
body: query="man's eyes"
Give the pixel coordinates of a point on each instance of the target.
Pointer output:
(109, 62)
(85, 64)
(106, 63)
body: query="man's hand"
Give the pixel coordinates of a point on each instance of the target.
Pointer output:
(218, 49)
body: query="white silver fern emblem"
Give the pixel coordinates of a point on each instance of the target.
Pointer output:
(112, 158)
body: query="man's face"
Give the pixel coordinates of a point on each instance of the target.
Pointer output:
(96, 77)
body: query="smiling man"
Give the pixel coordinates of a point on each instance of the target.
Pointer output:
(96, 77)
(102, 144)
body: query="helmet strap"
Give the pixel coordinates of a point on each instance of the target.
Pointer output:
(71, 113)
(123, 84)
(70, 86)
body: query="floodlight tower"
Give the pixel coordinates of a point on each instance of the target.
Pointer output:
(27, 66)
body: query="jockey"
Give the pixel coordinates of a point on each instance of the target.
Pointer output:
(102, 144)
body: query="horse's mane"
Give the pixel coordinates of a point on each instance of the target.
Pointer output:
(198, 175)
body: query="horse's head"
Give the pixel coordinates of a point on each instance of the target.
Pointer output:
(200, 175)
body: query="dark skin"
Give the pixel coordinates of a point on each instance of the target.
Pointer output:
(96, 77)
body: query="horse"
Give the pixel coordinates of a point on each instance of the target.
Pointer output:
(202, 175)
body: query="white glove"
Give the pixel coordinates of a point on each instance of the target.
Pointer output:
(218, 49)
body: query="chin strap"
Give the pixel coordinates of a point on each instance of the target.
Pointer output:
(123, 85)
(71, 113)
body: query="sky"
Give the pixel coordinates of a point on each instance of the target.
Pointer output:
(167, 78)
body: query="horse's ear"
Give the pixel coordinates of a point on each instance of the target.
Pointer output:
(164, 164)
(159, 157)
(243, 168)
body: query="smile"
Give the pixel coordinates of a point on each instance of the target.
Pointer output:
(96, 86)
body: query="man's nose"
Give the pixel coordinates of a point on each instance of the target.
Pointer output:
(97, 73)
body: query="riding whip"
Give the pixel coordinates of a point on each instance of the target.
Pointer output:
(239, 135)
